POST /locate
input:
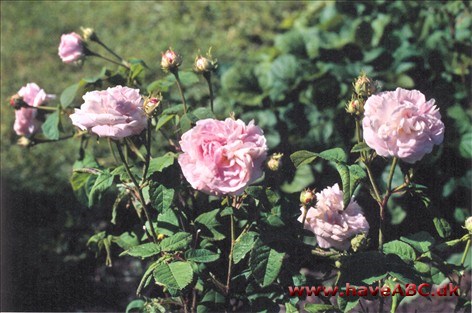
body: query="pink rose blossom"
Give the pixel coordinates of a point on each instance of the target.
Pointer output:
(116, 113)
(222, 157)
(26, 123)
(402, 124)
(333, 226)
(71, 48)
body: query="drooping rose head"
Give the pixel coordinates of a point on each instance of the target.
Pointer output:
(115, 113)
(402, 124)
(333, 226)
(26, 123)
(71, 48)
(222, 157)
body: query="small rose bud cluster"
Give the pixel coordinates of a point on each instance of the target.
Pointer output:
(170, 60)
(275, 161)
(355, 107)
(364, 86)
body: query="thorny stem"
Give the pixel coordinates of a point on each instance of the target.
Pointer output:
(179, 85)
(138, 188)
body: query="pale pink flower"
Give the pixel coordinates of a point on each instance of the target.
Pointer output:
(222, 157)
(402, 124)
(333, 226)
(71, 48)
(26, 123)
(116, 113)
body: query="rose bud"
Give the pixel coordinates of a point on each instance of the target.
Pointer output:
(355, 106)
(204, 65)
(17, 102)
(275, 161)
(88, 34)
(307, 197)
(468, 224)
(364, 86)
(71, 48)
(170, 60)
(150, 105)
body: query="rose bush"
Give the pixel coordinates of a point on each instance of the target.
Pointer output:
(222, 157)
(26, 123)
(402, 124)
(333, 226)
(115, 113)
(71, 48)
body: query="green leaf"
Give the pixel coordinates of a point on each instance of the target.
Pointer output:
(290, 308)
(161, 84)
(421, 242)
(167, 223)
(360, 147)
(346, 180)
(145, 280)
(126, 240)
(398, 269)
(136, 69)
(187, 121)
(265, 263)
(160, 163)
(346, 304)
(179, 241)
(102, 183)
(363, 268)
(203, 113)
(356, 174)
(69, 94)
(243, 245)
(201, 255)
(302, 157)
(335, 155)
(145, 250)
(164, 119)
(176, 275)
(79, 180)
(302, 179)
(161, 197)
(50, 127)
(319, 308)
(400, 248)
(442, 227)
(208, 224)
(135, 306)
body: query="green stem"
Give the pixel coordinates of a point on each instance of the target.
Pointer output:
(148, 150)
(181, 91)
(138, 189)
(373, 183)
(123, 61)
(390, 175)
(44, 108)
(466, 250)
(207, 76)
(107, 59)
(230, 263)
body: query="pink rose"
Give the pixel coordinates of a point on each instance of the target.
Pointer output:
(116, 113)
(333, 226)
(402, 124)
(222, 157)
(26, 123)
(71, 48)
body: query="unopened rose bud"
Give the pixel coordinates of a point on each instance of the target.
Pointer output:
(355, 106)
(364, 86)
(205, 64)
(337, 264)
(17, 102)
(468, 224)
(150, 105)
(88, 34)
(160, 237)
(307, 197)
(275, 161)
(359, 242)
(170, 60)
(24, 142)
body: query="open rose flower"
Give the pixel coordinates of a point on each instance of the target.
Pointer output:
(333, 226)
(222, 157)
(116, 113)
(71, 48)
(26, 123)
(402, 124)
